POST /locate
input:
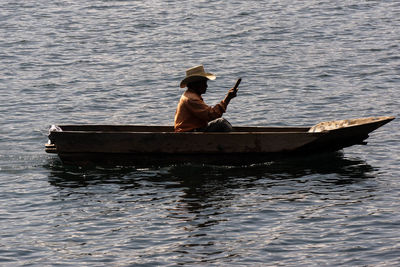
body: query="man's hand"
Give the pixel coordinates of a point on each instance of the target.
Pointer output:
(231, 94)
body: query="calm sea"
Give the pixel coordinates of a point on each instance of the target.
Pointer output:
(120, 62)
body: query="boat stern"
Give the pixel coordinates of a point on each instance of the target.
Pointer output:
(50, 148)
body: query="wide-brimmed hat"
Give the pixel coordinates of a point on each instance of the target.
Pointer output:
(196, 74)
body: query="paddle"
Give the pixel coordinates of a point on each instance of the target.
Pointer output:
(232, 92)
(237, 84)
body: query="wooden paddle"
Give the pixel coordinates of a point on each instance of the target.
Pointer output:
(237, 84)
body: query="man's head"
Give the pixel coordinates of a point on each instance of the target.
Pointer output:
(196, 74)
(199, 86)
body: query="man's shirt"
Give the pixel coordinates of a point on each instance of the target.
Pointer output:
(192, 113)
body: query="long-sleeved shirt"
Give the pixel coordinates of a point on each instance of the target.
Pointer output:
(192, 113)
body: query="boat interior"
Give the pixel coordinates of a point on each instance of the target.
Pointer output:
(138, 128)
(320, 127)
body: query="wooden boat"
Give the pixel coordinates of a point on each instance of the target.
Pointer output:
(133, 144)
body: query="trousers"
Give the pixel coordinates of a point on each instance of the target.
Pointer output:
(217, 125)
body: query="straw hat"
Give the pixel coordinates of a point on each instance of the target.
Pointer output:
(195, 74)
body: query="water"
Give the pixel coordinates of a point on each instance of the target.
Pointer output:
(120, 62)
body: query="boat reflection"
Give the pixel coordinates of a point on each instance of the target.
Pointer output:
(332, 166)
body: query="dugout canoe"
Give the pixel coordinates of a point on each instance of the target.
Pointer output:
(134, 144)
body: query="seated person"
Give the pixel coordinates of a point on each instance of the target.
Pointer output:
(192, 114)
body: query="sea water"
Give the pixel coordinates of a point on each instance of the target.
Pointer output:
(121, 62)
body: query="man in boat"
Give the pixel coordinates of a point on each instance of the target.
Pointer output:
(192, 114)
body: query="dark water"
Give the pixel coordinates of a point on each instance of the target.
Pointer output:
(120, 62)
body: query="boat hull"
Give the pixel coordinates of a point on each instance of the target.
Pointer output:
(133, 145)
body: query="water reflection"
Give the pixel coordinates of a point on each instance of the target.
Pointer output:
(345, 170)
(73, 176)
(201, 191)
(202, 204)
(214, 187)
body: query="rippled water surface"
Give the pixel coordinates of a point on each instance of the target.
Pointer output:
(120, 62)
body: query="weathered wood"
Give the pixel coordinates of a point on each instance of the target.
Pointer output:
(144, 142)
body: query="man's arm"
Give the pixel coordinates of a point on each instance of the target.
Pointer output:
(205, 112)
